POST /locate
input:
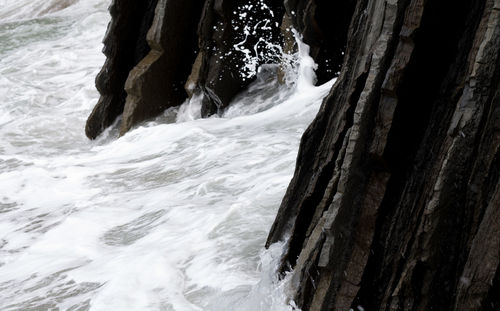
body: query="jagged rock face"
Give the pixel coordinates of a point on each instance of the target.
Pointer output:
(323, 25)
(394, 204)
(124, 45)
(146, 72)
(229, 29)
(157, 82)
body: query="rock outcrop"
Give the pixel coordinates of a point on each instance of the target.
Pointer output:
(230, 32)
(154, 47)
(395, 202)
(157, 82)
(124, 46)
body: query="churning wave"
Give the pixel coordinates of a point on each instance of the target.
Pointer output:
(171, 216)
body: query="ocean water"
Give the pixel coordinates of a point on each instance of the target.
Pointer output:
(171, 216)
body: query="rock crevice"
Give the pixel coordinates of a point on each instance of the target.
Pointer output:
(157, 82)
(124, 46)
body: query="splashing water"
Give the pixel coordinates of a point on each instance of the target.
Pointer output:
(172, 216)
(265, 50)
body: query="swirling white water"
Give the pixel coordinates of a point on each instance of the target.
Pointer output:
(172, 216)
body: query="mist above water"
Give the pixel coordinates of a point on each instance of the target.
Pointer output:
(171, 216)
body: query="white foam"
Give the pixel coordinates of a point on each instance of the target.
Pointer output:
(171, 216)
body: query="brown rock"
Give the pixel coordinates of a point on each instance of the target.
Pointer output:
(289, 45)
(157, 82)
(124, 46)
(194, 77)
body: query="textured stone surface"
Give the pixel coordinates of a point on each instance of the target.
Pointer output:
(222, 74)
(394, 202)
(177, 60)
(323, 25)
(124, 46)
(157, 82)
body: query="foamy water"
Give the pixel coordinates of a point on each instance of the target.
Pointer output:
(172, 216)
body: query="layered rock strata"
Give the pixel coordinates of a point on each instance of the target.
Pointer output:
(157, 82)
(159, 52)
(124, 46)
(395, 202)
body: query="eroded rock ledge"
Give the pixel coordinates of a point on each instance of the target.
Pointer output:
(157, 81)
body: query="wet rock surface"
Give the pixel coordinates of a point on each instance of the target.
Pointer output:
(229, 32)
(394, 203)
(214, 46)
(157, 82)
(323, 25)
(124, 46)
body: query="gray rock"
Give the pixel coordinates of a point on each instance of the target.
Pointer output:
(394, 201)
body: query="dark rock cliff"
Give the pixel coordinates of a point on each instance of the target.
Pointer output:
(395, 201)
